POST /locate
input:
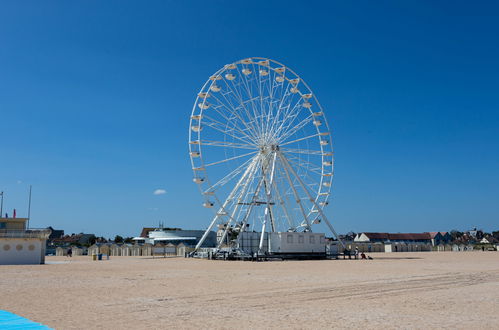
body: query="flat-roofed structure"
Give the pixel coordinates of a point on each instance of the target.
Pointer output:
(174, 236)
(21, 246)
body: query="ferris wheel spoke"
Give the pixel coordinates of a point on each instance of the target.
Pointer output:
(290, 115)
(223, 181)
(232, 108)
(302, 151)
(225, 144)
(306, 165)
(235, 114)
(216, 125)
(290, 131)
(244, 81)
(238, 95)
(230, 159)
(300, 139)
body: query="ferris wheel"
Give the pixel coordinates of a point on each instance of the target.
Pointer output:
(261, 150)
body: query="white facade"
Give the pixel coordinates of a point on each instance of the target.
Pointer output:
(283, 242)
(290, 242)
(22, 251)
(249, 242)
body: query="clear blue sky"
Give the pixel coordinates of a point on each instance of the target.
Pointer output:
(95, 99)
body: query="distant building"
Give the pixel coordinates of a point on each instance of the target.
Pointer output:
(74, 239)
(423, 238)
(55, 233)
(174, 236)
(438, 238)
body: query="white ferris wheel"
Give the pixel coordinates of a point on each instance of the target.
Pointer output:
(261, 151)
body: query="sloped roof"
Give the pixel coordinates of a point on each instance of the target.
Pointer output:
(399, 236)
(377, 235)
(145, 231)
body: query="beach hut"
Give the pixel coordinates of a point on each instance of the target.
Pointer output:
(105, 249)
(125, 250)
(60, 252)
(77, 251)
(183, 249)
(115, 250)
(93, 249)
(135, 250)
(455, 248)
(158, 249)
(147, 249)
(170, 249)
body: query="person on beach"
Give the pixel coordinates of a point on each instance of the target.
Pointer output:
(70, 253)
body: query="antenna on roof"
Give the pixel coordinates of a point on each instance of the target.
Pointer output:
(29, 205)
(1, 205)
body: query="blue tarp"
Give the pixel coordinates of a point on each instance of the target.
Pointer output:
(10, 321)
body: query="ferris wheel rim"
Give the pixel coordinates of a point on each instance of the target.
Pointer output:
(199, 112)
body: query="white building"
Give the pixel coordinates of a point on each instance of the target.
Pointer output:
(174, 236)
(21, 246)
(283, 243)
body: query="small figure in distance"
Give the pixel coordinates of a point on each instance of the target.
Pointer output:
(356, 252)
(70, 253)
(363, 256)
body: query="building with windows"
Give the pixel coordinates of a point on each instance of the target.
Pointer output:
(19, 245)
(174, 236)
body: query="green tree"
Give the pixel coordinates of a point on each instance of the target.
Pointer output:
(118, 239)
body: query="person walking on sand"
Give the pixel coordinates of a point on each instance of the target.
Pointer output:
(70, 253)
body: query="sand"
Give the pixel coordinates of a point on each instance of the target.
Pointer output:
(395, 290)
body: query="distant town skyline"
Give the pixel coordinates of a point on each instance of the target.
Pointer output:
(95, 100)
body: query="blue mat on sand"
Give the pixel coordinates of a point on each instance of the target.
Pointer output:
(12, 321)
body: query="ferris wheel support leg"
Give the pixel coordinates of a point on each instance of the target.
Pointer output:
(312, 199)
(222, 209)
(268, 191)
(245, 188)
(262, 235)
(298, 201)
(281, 202)
(245, 221)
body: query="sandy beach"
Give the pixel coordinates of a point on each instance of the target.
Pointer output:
(411, 290)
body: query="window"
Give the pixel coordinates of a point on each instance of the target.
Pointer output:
(290, 239)
(300, 239)
(312, 239)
